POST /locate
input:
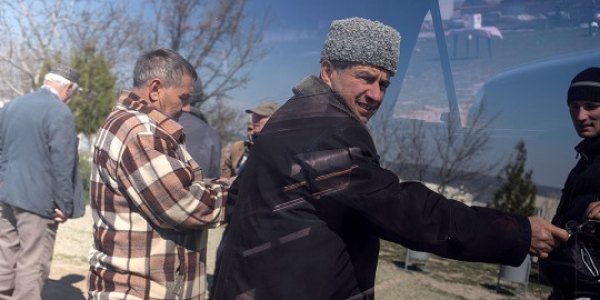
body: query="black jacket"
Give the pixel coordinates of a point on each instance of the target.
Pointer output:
(581, 188)
(312, 203)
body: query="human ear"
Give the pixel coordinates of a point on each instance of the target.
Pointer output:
(154, 89)
(70, 91)
(326, 72)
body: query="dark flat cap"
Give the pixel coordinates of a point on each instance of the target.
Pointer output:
(66, 72)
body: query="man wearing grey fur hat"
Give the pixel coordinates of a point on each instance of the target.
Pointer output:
(40, 185)
(313, 201)
(573, 268)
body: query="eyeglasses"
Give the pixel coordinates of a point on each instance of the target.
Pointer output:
(588, 225)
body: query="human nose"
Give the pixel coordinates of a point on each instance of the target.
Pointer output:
(375, 92)
(251, 130)
(257, 127)
(582, 113)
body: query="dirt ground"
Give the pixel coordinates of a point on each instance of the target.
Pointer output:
(68, 277)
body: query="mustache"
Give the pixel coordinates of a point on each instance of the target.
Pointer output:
(368, 104)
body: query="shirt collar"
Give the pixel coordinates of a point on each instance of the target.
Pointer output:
(51, 89)
(135, 102)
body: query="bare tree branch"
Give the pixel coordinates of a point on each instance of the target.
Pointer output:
(215, 36)
(211, 36)
(34, 28)
(414, 149)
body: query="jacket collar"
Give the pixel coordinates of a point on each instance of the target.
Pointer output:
(588, 148)
(313, 85)
(51, 90)
(132, 101)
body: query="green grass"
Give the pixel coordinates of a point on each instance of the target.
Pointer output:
(474, 274)
(85, 169)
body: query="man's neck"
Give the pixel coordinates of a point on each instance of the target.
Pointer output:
(56, 89)
(51, 89)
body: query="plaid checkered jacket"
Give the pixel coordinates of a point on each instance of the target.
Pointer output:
(151, 208)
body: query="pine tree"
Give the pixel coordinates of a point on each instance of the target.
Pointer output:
(97, 90)
(517, 194)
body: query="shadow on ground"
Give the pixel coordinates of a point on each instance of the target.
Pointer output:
(499, 289)
(63, 288)
(420, 267)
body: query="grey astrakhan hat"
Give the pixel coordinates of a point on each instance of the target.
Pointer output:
(363, 41)
(66, 72)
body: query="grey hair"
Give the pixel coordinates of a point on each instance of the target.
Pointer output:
(61, 80)
(164, 64)
(57, 78)
(342, 64)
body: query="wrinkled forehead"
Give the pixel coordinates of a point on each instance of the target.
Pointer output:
(372, 70)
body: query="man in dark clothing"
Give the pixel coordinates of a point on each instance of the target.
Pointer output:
(202, 141)
(313, 202)
(574, 267)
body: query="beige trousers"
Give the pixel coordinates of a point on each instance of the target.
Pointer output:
(26, 247)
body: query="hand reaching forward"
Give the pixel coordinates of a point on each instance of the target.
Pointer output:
(545, 237)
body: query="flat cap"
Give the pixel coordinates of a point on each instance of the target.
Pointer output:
(265, 108)
(66, 72)
(363, 41)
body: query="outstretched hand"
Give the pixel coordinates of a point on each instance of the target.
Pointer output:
(545, 237)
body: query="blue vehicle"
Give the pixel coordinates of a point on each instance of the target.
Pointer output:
(529, 103)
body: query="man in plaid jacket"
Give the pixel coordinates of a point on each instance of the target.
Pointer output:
(150, 203)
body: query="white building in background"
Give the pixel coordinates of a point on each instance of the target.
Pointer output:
(545, 206)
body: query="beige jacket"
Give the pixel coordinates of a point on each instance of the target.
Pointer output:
(230, 162)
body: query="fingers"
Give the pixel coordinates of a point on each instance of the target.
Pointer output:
(59, 216)
(544, 237)
(225, 181)
(541, 249)
(559, 233)
(58, 213)
(593, 210)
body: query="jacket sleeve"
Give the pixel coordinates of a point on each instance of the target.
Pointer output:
(169, 189)
(215, 155)
(410, 214)
(62, 146)
(226, 167)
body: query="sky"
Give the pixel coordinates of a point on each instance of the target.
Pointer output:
(294, 37)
